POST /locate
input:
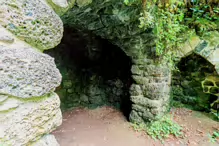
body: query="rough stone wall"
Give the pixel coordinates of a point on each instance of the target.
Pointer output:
(207, 47)
(211, 85)
(91, 93)
(29, 108)
(150, 94)
(24, 122)
(119, 24)
(187, 84)
(91, 77)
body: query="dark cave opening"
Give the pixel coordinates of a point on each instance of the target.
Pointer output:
(95, 72)
(187, 84)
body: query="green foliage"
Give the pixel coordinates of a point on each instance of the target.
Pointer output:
(202, 17)
(146, 20)
(169, 30)
(161, 129)
(174, 21)
(131, 2)
(214, 137)
(139, 127)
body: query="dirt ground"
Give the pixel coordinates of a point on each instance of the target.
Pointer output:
(108, 127)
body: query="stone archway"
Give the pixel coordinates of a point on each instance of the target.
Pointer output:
(206, 50)
(187, 82)
(94, 72)
(36, 27)
(207, 47)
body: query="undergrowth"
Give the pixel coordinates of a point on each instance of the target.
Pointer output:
(161, 129)
(214, 137)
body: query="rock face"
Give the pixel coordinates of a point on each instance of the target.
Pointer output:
(32, 21)
(26, 73)
(24, 122)
(150, 94)
(28, 107)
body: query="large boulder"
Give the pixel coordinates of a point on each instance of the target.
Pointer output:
(26, 73)
(28, 107)
(24, 122)
(33, 21)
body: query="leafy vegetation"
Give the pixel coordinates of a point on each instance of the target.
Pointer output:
(161, 129)
(173, 21)
(214, 137)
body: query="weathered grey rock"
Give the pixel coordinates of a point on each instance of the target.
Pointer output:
(26, 123)
(47, 140)
(25, 73)
(151, 92)
(135, 117)
(33, 21)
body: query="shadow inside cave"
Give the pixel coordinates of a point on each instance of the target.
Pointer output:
(95, 72)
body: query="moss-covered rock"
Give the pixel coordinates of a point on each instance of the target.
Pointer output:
(119, 23)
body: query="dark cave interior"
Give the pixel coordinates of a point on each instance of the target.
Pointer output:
(95, 72)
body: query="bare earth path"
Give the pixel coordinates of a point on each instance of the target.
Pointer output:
(108, 127)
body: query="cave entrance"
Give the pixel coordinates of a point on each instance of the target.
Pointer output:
(95, 72)
(187, 85)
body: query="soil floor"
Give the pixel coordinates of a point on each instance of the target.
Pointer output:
(106, 126)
